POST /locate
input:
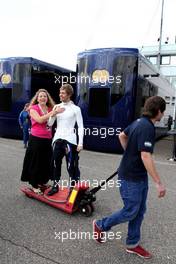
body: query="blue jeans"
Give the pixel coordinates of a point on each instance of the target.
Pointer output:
(134, 196)
(25, 134)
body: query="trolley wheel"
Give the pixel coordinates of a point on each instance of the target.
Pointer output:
(86, 210)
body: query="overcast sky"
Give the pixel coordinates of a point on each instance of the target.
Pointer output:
(56, 30)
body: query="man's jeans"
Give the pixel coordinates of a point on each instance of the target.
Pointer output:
(134, 195)
(63, 148)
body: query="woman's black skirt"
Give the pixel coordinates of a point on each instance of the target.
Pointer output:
(37, 161)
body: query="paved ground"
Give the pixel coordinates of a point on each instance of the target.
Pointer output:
(28, 228)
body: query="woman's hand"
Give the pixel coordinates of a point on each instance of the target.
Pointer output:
(57, 110)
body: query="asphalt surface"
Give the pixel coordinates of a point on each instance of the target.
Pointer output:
(29, 229)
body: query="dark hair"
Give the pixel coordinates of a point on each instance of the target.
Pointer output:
(68, 88)
(153, 105)
(26, 106)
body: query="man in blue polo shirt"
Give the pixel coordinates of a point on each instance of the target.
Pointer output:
(137, 141)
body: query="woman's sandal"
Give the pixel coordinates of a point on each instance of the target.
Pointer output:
(44, 186)
(37, 191)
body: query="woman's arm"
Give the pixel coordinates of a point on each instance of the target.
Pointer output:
(56, 110)
(39, 119)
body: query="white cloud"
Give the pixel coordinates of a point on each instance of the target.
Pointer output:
(55, 31)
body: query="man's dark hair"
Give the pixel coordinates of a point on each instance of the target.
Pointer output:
(153, 105)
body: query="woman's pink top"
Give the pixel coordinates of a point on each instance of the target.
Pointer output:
(37, 129)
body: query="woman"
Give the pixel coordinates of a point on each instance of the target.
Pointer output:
(37, 160)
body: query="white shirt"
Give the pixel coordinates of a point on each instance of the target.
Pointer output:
(66, 122)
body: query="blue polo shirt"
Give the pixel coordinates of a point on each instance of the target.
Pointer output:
(141, 137)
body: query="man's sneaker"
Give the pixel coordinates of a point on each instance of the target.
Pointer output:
(140, 251)
(53, 190)
(98, 234)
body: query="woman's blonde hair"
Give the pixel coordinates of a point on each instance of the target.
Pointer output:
(50, 102)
